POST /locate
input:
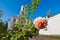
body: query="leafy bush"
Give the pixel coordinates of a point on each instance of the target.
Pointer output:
(22, 30)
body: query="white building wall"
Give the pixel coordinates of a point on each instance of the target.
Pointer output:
(53, 26)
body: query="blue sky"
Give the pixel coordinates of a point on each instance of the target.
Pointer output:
(12, 7)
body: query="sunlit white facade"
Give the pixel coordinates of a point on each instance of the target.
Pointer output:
(53, 27)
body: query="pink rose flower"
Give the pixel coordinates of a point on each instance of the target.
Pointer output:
(40, 23)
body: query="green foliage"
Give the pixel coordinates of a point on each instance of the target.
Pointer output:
(3, 30)
(30, 9)
(24, 29)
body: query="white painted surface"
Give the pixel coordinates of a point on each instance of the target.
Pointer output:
(53, 26)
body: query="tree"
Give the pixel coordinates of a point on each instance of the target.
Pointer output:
(3, 28)
(49, 13)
